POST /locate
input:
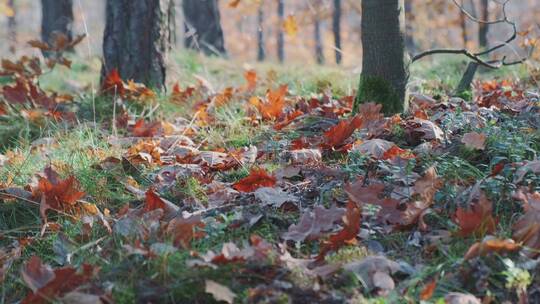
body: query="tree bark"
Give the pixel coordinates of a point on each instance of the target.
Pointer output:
(280, 35)
(203, 27)
(138, 35)
(57, 18)
(12, 27)
(482, 27)
(319, 52)
(409, 37)
(261, 52)
(384, 69)
(336, 28)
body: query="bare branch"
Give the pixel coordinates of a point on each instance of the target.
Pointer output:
(494, 64)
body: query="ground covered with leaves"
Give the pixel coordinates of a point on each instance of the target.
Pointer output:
(267, 191)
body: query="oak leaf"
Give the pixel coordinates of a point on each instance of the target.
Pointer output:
(257, 178)
(347, 235)
(338, 134)
(478, 220)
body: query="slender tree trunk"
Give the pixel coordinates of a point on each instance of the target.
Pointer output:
(463, 24)
(409, 37)
(319, 52)
(203, 26)
(336, 28)
(261, 52)
(12, 27)
(280, 35)
(482, 27)
(57, 18)
(384, 69)
(138, 35)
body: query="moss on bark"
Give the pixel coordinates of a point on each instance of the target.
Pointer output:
(378, 90)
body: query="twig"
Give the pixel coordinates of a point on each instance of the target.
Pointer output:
(494, 64)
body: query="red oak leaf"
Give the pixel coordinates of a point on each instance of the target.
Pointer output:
(257, 178)
(337, 135)
(345, 236)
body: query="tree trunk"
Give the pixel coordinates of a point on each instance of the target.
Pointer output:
(384, 69)
(319, 52)
(482, 27)
(57, 18)
(409, 31)
(463, 24)
(203, 26)
(261, 52)
(12, 27)
(138, 35)
(280, 36)
(336, 28)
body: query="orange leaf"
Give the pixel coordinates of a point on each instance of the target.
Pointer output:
(251, 78)
(142, 129)
(478, 220)
(428, 290)
(274, 105)
(491, 245)
(257, 178)
(113, 83)
(153, 201)
(338, 134)
(58, 194)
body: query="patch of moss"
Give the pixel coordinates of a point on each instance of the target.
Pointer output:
(378, 90)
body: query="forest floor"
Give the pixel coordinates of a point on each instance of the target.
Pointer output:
(257, 185)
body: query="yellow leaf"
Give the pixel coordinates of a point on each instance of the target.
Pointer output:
(290, 26)
(6, 10)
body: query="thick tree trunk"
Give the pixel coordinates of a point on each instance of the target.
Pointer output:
(409, 31)
(319, 52)
(482, 27)
(57, 18)
(203, 26)
(280, 35)
(138, 35)
(384, 68)
(336, 28)
(12, 27)
(261, 52)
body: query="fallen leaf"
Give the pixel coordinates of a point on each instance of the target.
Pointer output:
(428, 185)
(489, 245)
(274, 197)
(474, 140)
(526, 229)
(376, 272)
(478, 220)
(428, 290)
(184, 230)
(461, 298)
(220, 292)
(337, 135)
(257, 178)
(36, 274)
(374, 147)
(347, 235)
(313, 223)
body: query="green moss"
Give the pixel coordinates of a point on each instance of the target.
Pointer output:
(378, 90)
